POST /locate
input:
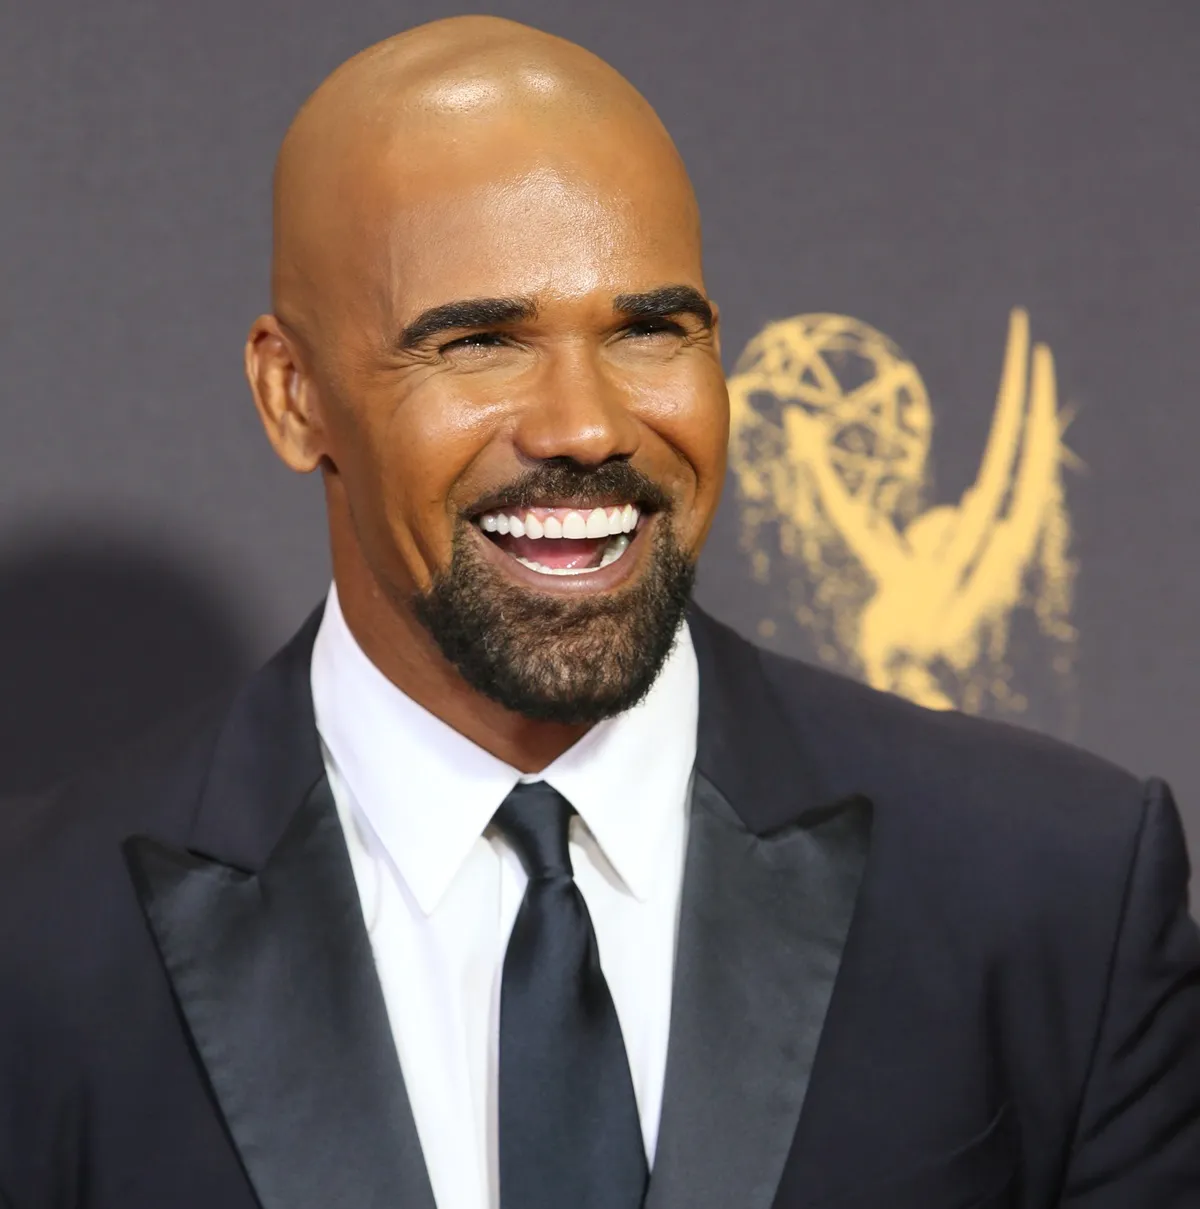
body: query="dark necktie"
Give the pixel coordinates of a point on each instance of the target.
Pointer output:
(569, 1131)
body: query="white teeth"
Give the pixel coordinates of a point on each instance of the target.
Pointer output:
(616, 548)
(575, 525)
(541, 570)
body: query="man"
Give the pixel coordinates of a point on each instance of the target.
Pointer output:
(503, 883)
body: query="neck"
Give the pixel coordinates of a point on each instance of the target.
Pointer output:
(400, 647)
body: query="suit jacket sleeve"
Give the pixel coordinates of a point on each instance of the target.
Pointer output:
(1138, 1140)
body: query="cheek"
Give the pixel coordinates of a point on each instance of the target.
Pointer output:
(428, 442)
(692, 417)
(398, 454)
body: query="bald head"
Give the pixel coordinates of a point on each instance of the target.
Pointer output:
(441, 107)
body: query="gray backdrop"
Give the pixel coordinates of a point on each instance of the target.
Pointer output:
(922, 166)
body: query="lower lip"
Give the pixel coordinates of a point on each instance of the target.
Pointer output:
(603, 579)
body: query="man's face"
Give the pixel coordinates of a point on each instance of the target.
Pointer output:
(526, 419)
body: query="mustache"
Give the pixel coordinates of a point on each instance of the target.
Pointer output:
(564, 483)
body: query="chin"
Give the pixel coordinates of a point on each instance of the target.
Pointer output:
(570, 649)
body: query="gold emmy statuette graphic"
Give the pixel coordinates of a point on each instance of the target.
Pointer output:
(829, 444)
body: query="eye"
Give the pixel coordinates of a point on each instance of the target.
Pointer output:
(654, 327)
(474, 340)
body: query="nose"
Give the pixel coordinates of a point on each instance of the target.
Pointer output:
(575, 410)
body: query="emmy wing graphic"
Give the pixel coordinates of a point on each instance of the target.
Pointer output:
(830, 440)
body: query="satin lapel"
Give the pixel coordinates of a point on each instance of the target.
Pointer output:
(763, 924)
(275, 978)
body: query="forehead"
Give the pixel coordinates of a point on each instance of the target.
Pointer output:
(496, 217)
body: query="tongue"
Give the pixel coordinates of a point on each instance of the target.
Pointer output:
(563, 552)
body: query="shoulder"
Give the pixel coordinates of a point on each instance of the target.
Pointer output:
(82, 987)
(945, 751)
(65, 896)
(982, 829)
(943, 770)
(954, 767)
(146, 783)
(1016, 822)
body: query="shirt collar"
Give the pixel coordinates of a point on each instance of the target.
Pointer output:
(428, 792)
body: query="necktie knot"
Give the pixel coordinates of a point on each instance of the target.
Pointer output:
(535, 820)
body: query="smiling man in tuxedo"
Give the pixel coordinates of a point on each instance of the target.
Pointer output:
(514, 880)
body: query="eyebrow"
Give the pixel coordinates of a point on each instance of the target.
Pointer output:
(664, 302)
(468, 313)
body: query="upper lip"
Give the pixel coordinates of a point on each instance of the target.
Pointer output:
(583, 505)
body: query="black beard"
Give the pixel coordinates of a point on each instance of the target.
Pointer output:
(552, 659)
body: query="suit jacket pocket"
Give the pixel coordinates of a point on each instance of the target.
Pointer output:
(978, 1175)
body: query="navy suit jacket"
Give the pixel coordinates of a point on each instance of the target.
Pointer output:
(924, 962)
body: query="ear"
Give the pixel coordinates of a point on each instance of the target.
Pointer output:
(284, 394)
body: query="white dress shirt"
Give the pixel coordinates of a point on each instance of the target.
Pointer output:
(440, 889)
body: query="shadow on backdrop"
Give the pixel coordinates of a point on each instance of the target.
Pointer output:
(100, 640)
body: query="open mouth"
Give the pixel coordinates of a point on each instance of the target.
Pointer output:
(563, 541)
